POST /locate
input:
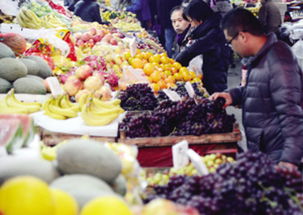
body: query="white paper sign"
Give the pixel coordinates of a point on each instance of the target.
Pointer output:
(133, 47)
(180, 158)
(197, 162)
(190, 90)
(55, 86)
(172, 95)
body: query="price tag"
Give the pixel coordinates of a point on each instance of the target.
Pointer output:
(190, 90)
(133, 47)
(180, 158)
(55, 86)
(172, 95)
(197, 162)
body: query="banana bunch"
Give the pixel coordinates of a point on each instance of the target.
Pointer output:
(51, 21)
(100, 113)
(11, 105)
(60, 108)
(28, 19)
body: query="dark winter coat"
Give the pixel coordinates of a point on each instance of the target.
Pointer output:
(163, 11)
(272, 103)
(88, 10)
(141, 9)
(270, 16)
(208, 39)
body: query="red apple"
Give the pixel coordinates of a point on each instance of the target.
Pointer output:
(73, 85)
(113, 42)
(101, 33)
(93, 31)
(93, 83)
(97, 38)
(79, 43)
(86, 36)
(83, 72)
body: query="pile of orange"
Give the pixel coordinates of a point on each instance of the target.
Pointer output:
(162, 71)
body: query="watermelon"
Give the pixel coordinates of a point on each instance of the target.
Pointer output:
(11, 135)
(27, 126)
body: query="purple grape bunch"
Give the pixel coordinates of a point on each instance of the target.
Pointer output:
(252, 185)
(186, 117)
(138, 97)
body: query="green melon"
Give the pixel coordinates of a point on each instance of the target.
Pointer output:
(31, 65)
(14, 165)
(12, 69)
(6, 51)
(5, 85)
(119, 185)
(29, 85)
(83, 188)
(80, 156)
(44, 69)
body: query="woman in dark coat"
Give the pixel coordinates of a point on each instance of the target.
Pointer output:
(206, 38)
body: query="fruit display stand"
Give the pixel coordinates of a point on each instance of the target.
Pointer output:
(156, 151)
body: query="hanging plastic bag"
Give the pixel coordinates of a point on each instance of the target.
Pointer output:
(298, 51)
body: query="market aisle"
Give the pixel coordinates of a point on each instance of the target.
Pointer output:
(234, 79)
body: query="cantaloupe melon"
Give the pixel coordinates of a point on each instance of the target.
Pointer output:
(82, 187)
(12, 166)
(12, 69)
(79, 156)
(29, 86)
(31, 65)
(6, 51)
(44, 69)
(4, 85)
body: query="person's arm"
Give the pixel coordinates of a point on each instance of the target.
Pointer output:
(286, 91)
(97, 16)
(200, 46)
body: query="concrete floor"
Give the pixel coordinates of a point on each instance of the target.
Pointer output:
(234, 79)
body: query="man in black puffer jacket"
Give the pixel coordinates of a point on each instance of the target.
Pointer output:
(206, 38)
(272, 100)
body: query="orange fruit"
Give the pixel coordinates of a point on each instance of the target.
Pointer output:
(127, 55)
(177, 76)
(155, 87)
(196, 80)
(154, 59)
(149, 68)
(155, 76)
(177, 65)
(183, 69)
(170, 79)
(192, 74)
(167, 73)
(162, 84)
(171, 85)
(164, 60)
(137, 63)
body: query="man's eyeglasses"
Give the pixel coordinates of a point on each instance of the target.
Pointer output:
(230, 41)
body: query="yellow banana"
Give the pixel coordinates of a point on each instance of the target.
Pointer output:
(63, 102)
(69, 104)
(83, 100)
(51, 114)
(92, 119)
(55, 108)
(105, 111)
(32, 15)
(12, 102)
(107, 104)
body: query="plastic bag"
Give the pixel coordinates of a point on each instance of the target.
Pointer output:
(298, 51)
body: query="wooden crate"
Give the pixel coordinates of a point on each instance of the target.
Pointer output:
(52, 138)
(231, 137)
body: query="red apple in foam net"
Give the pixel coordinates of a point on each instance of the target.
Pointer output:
(83, 72)
(97, 38)
(104, 93)
(107, 38)
(80, 43)
(77, 35)
(73, 85)
(93, 31)
(90, 58)
(86, 37)
(93, 83)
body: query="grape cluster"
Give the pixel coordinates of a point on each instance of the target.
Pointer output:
(250, 186)
(179, 118)
(138, 97)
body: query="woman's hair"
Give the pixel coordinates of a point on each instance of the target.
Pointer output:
(198, 10)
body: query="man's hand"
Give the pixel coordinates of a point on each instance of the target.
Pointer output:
(287, 165)
(226, 96)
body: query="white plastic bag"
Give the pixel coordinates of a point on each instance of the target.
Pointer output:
(297, 48)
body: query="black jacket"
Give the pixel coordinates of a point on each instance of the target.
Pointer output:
(163, 11)
(89, 11)
(208, 39)
(272, 103)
